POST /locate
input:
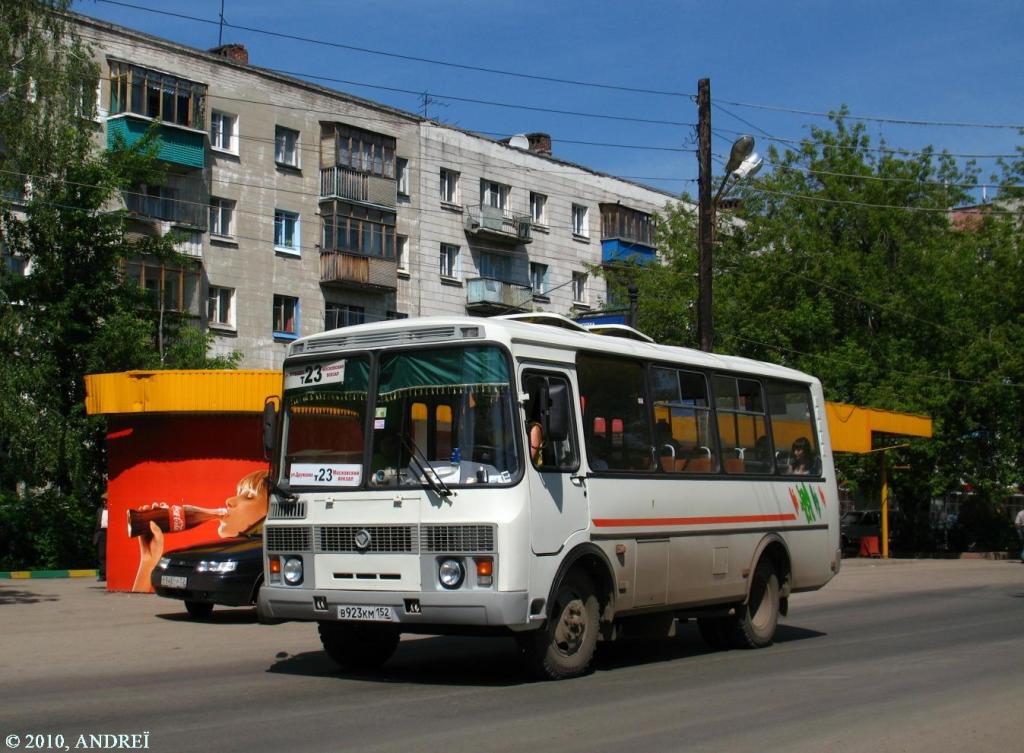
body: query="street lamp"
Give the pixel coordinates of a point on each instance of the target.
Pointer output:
(743, 162)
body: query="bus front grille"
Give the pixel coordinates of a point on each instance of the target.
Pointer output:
(458, 538)
(371, 539)
(288, 539)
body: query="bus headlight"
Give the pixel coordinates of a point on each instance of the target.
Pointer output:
(292, 571)
(451, 573)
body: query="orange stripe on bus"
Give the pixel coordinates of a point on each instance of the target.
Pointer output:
(696, 521)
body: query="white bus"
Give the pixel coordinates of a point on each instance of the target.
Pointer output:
(670, 484)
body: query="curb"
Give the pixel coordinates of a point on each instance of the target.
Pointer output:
(26, 574)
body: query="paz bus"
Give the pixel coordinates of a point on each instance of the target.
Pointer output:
(669, 484)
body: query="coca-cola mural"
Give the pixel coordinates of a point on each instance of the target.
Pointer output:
(177, 480)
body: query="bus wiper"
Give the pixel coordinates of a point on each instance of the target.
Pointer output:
(434, 481)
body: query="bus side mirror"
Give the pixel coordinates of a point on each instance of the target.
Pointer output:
(558, 411)
(269, 427)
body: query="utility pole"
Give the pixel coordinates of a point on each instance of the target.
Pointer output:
(705, 218)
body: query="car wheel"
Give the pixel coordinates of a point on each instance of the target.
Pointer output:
(564, 646)
(754, 626)
(357, 646)
(199, 610)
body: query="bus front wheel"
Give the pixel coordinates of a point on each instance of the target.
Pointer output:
(564, 647)
(754, 626)
(358, 646)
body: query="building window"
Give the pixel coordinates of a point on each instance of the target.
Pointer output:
(579, 221)
(286, 146)
(222, 217)
(392, 315)
(286, 231)
(365, 151)
(224, 132)
(402, 252)
(343, 315)
(359, 230)
(493, 194)
(450, 261)
(495, 266)
(449, 186)
(286, 316)
(539, 278)
(168, 287)
(402, 170)
(156, 95)
(579, 287)
(538, 208)
(220, 307)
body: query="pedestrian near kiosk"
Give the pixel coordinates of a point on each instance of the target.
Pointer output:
(99, 538)
(1019, 523)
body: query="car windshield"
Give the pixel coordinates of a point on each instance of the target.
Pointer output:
(447, 413)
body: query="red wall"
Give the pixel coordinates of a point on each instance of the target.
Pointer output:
(194, 459)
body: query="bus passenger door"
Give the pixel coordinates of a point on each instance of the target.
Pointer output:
(558, 495)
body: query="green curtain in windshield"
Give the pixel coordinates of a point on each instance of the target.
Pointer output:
(443, 372)
(355, 386)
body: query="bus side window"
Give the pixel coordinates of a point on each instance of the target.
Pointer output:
(556, 453)
(617, 404)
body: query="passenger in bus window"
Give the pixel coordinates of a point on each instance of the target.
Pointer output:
(534, 423)
(801, 459)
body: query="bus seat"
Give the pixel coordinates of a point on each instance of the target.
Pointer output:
(733, 465)
(695, 465)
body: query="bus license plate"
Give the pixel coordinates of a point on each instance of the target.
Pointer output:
(366, 613)
(173, 581)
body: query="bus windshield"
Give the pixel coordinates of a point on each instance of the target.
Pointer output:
(325, 422)
(446, 412)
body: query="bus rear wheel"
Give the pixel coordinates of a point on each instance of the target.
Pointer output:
(357, 646)
(754, 626)
(564, 647)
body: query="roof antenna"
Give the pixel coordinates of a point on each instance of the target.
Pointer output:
(220, 34)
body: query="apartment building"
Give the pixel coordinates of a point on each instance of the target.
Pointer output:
(300, 208)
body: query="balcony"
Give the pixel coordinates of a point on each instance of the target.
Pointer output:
(179, 145)
(366, 273)
(496, 224)
(487, 296)
(351, 185)
(617, 251)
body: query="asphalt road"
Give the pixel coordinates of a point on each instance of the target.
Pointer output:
(896, 656)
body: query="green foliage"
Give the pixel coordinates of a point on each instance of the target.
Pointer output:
(75, 313)
(842, 262)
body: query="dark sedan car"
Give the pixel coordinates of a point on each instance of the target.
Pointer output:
(226, 572)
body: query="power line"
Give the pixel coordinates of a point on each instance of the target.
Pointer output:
(877, 118)
(399, 56)
(866, 205)
(882, 150)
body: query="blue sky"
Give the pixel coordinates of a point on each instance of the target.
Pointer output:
(935, 61)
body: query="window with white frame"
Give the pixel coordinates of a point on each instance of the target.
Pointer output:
(286, 231)
(580, 225)
(538, 208)
(402, 171)
(220, 306)
(224, 132)
(579, 287)
(286, 146)
(286, 316)
(539, 278)
(402, 252)
(493, 194)
(449, 186)
(450, 261)
(343, 315)
(222, 217)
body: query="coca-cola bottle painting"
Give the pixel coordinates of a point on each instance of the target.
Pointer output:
(150, 523)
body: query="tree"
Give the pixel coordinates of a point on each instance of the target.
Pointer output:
(74, 313)
(843, 263)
